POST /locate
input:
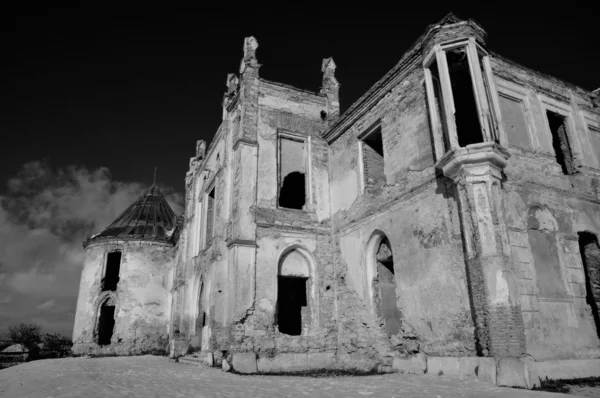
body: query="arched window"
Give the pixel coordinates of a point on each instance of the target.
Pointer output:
(380, 260)
(293, 295)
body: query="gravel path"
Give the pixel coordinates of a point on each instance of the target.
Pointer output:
(150, 376)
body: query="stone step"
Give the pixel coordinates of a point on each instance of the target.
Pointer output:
(191, 360)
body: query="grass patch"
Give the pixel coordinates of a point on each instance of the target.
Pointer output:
(564, 386)
(321, 373)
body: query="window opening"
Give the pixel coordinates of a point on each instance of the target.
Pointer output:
(292, 177)
(466, 115)
(291, 298)
(106, 324)
(113, 268)
(387, 288)
(590, 257)
(560, 142)
(373, 158)
(210, 215)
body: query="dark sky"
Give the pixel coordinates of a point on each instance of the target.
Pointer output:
(133, 87)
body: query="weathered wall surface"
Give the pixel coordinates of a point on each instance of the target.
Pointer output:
(418, 214)
(431, 284)
(545, 209)
(141, 316)
(199, 291)
(279, 230)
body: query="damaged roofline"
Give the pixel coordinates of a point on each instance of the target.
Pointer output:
(554, 79)
(316, 94)
(388, 81)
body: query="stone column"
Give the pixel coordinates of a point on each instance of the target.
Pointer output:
(477, 174)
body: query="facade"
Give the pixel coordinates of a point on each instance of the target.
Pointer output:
(449, 219)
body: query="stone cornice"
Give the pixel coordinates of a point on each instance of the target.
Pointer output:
(455, 160)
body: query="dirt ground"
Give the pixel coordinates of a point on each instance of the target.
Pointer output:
(151, 376)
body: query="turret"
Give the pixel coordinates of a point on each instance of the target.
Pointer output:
(122, 304)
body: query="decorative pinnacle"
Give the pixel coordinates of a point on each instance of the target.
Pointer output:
(249, 60)
(154, 182)
(328, 68)
(328, 64)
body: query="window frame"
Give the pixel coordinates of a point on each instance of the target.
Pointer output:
(105, 268)
(308, 192)
(520, 94)
(592, 125)
(561, 109)
(206, 240)
(484, 90)
(361, 162)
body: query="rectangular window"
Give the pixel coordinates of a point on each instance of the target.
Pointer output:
(113, 268)
(292, 173)
(513, 121)
(595, 137)
(373, 158)
(560, 142)
(465, 105)
(210, 216)
(197, 242)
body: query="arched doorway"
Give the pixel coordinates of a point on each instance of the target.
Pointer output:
(380, 261)
(590, 257)
(106, 322)
(293, 293)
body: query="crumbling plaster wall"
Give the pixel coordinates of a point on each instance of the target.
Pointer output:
(141, 313)
(418, 214)
(200, 259)
(253, 327)
(407, 145)
(431, 285)
(287, 110)
(258, 330)
(545, 209)
(560, 326)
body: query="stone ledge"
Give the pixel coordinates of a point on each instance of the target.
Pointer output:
(296, 362)
(503, 372)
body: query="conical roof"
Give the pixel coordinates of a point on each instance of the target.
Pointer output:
(148, 218)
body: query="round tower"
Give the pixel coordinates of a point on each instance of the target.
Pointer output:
(122, 308)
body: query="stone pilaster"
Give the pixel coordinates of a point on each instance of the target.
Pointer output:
(477, 175)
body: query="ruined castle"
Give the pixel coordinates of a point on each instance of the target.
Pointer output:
(448, 222)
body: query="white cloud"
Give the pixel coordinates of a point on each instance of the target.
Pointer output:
(44, 217)
(46, 305)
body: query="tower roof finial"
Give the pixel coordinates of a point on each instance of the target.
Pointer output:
(154, 181)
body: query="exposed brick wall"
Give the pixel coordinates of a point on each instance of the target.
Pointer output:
(506, 335)
(373, 164)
